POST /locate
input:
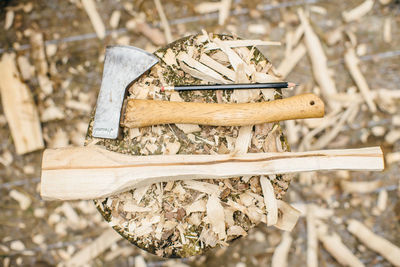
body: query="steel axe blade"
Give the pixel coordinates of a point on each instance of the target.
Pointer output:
(122, 65)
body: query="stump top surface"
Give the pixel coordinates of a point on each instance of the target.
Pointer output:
(175, 219)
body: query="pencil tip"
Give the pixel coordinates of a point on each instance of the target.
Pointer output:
(291, 85)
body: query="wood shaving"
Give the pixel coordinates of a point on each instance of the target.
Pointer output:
(358, 12)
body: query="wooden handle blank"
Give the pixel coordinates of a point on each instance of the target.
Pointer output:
(92, 172)
(140, 113)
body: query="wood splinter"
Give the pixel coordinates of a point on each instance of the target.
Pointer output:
(93, 172)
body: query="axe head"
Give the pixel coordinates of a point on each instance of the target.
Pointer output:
(122, 65)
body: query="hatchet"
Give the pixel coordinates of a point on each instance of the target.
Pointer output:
(124, 64)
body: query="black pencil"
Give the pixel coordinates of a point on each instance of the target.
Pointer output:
(234, 86)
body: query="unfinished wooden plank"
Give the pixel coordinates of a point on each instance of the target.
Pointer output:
(93, 172)
(375, 242)
(95, 19)
(358, 12)
(19, 108)
(318, 61)
(94, 249)
(351, 61)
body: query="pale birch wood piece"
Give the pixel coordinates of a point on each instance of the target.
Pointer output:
(215, 214)
(290, 61)
(334, 245)
(182, 56)
(95, 248)
(270, 202)
(279, 258)
(95, 19)
(224, 9)
(19, 108)
(234, 58)
(239, 43)
(242, 114)
(93, 172)
(375, 242)
(208, 61)
(351, 61)
(358, 12)
(312, 238)
(318, 60)
(164, 21)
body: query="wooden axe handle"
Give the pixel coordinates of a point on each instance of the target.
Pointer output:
(140, 113)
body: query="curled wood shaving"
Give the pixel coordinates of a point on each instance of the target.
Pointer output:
(208, 61)
(271, 205)
(334, 245)
(312, 239)
(234, 58)
(23, 200)
(358, 12)
(290, 61)
(224, 9)
(287, 217)
(375, 242)
(318, 60)
(207, 7)
(182, 56)
(204, 187)
(236, 230)
(216, 217)
(351, 61)
(360, 187)
(279, 258)
(239, 43)
(95, 19)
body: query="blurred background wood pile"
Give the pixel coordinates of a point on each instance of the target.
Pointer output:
(345, 51)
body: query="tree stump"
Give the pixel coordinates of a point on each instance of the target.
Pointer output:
(182, 219)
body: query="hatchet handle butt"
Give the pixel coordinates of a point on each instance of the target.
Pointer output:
(140, 113)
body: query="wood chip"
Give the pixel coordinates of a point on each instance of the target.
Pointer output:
(375, 242)
(140, 262)
(182, 56)
(351, 61)
(164, 21)
(387, 30)
(208, 61)
(207, 7)
(360, 187)
(9, 19)
(25, 68)
(358, 12)
(224, 10)
(95, 248)
(290, 61)
(288, 216)
(114, 19)
(319, 61)
(95, 19)
(334, 245)
(271, 205)
(382, 200)
(23, 200)
(312, 239)
(239, 43)
(19, 108)
(243, 140)
(279, 258)
(215, 215)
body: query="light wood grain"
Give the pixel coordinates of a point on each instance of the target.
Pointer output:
(140, 113)
(19, 108)
(93, 172)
